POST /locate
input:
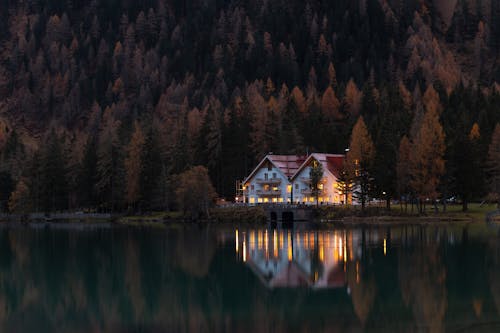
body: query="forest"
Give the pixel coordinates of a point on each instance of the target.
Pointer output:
(104, 103)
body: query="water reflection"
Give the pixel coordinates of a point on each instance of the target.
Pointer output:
(197, 279)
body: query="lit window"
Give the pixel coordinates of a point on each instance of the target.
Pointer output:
(280, 200)
(275, 188)
(275, 200)
(289, 189)
(311, 199)
(259, 200)
(320, 186)
(266, 200)
(252, 200)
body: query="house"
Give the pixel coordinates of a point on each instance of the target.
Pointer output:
(286, 179)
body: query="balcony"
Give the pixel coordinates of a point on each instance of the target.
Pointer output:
(269, 193)
(270, 181)
(309, 192)
(307, 180)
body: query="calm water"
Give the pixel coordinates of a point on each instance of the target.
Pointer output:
(194, 279)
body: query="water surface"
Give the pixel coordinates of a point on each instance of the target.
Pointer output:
(244, 279)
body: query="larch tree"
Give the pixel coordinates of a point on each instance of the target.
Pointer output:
(330, 105)
(352, 99)
(493, 165)
(427, 158)
(133, 165)
(195, 192)
(360, 160)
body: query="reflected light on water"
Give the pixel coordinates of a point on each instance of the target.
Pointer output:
(385, 246)
(237, 241)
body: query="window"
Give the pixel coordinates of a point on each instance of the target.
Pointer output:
(266, 176)
(252, 187)
(320, 186)
(289, 189)
(266, 200)
(274, 175)
(259, 200)
(296, 186)
(280, 200)
(275, 200)
(252, 200)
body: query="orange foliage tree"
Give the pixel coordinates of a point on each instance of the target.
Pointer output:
(360, 160)
(427, 158)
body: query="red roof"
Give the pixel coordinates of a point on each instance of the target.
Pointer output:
(290, 165)
(331, 162)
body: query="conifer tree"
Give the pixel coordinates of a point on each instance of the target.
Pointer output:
(360, 161)
(494, 165)
(133, 165)
(315, 175)
(403, 169)
(427, 162)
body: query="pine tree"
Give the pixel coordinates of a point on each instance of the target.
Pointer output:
(152, 178)
(315, 175)
(494, 165)
(88, 174)
(54, 183)
(403, 169)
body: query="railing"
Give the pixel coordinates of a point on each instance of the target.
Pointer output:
(269, 192)
(309, 191)
(307, 180)
(268, 181)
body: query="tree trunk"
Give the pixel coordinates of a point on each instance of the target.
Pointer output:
(388, 203)
(465, 206)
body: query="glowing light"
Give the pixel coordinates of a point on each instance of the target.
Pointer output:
(259, 239)
(357, 271)
(236, 240)
(244, 250)
(385, 246)
(321, 253)
(252, 240)
(275, 244)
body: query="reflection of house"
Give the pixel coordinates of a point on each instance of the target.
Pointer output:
(285, 178)
(295, 259)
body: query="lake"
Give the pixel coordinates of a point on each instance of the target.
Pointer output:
(250, 279)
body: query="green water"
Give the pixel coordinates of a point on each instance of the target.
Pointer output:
(240, 279)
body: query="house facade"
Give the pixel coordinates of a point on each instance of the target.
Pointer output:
(286, 179)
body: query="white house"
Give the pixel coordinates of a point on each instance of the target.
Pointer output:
(285, 179)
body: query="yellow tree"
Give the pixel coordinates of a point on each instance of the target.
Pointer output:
(494, 165)
(330, 104)
(360, 160)
(133, 165)
(427, 159)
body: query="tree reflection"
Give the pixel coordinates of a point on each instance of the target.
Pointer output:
(423, 286)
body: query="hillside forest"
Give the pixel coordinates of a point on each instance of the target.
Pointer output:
(103, 103)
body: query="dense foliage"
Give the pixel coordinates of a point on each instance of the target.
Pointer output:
(103, 101)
